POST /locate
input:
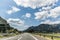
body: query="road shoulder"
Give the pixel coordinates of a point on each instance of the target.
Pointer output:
(41, 37)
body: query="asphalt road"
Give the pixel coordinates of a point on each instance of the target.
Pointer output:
(24, 36)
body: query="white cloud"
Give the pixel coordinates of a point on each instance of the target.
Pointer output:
(41, 15)
(46, 8)
(15, 21)
(27, 15)
(55, 12)
(13, 9)
(50, 22)
(9, 11)
(35, 3)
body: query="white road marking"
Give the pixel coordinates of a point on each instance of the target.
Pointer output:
(34, 37)
(20, 38)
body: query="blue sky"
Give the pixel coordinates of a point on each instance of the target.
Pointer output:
(22, 14)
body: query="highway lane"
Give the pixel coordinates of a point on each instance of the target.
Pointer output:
(24, 36)
(27, 36)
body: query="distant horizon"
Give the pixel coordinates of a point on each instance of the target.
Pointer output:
(32, 25)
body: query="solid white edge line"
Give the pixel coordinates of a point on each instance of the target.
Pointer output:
(20, 38)
(34, 37)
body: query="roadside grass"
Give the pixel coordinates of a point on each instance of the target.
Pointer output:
(53, 34)
(8, 35)
(1, 36)
(49, 35)
(53, 38)
(56, 38)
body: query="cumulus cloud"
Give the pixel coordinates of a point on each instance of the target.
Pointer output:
(35, 3)
(50, 22)
(55, 12)
(46, 8)
(41, 15)
(15, 21)
(13, 9)
(27, 15)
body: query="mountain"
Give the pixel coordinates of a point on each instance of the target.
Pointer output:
(5, 27)
(46, 28)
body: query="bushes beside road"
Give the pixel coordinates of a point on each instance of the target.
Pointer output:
(52, 36)
(7, 34)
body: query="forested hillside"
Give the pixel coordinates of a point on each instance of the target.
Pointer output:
(45, 28)
(6, 28)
